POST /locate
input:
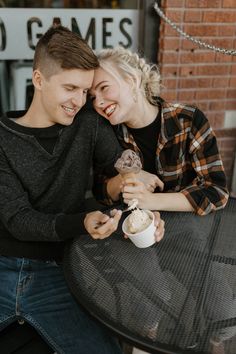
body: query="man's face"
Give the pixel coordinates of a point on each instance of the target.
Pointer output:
(62, 95)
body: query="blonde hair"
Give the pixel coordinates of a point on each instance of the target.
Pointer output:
(132, 65)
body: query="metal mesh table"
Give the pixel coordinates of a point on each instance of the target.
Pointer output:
(177, 296)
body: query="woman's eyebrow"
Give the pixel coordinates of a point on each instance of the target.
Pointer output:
(100, 83)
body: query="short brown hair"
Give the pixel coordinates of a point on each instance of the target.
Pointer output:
(60, 48)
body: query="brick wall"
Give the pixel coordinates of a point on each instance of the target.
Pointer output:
(201, 76)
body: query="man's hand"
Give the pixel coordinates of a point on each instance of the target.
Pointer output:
(100, 225)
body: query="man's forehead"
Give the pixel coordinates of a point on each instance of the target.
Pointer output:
(76, 77)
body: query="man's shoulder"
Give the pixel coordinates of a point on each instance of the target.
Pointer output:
(86, 114)
(89, 117)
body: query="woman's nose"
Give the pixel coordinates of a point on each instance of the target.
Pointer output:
(101, 103)
(98, 101)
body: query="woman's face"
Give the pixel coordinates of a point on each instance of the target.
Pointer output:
(112, 96)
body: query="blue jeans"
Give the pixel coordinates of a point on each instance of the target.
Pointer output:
(36, 291)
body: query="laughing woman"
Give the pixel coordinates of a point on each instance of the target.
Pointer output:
(182, 168)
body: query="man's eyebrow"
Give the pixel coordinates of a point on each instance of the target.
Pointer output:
(70, 85)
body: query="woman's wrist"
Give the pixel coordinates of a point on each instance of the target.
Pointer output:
(170, 202)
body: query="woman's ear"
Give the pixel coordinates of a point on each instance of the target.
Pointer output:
(37, 79)
(135, 82)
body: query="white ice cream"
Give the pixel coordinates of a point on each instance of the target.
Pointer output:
(137, 221)
(133, 203)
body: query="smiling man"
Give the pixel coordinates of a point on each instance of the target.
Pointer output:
(46, 154)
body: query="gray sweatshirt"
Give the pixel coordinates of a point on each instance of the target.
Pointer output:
(37, 188)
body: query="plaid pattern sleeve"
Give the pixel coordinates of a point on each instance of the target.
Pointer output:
(207, 191)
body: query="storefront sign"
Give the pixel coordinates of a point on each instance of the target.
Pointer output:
(21, 28)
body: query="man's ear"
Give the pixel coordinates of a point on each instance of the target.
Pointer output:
(37, 78)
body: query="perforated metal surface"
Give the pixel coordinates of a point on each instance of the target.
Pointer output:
(178, 296)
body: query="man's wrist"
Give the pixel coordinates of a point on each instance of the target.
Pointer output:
(113, 187)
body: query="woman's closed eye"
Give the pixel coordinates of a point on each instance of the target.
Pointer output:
(104, 87)
(69, 88)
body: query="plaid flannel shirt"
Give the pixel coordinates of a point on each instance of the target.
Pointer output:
(187, 156)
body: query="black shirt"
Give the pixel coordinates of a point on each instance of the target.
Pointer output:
(146, 139)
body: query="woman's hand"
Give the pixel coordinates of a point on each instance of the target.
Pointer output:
(100, 225)
(134, 189)
(150, 180)
(160, 227)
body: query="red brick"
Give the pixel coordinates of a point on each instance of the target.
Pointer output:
(229, 144)
(229, 3)
(203, 106)
(169, 83)
(169, 31)
(204, 82)
(174, 15)
(230, 105)
(203, 3)
(222, 17)
(227, 133)
(174, 3)
(195, 83)
(170, 57)
(167, 71)
(189, 45)
(226, 30)
(233, 69)
(210, 94)
(201, 30)
(213, 70)
(197, 57)
(220, 82)
(170, 44)
(186, 71)
(216, 119)
(223, 58)
(231, 93)
(192, 16)
(232, 82)
(188, 83)
(217, 106)
(170, 96)
(186, 95)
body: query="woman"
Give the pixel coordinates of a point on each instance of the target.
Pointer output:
(183, 169)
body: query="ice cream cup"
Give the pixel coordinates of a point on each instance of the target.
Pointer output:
(144, 238)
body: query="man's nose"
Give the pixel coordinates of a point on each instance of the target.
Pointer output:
(78, 99)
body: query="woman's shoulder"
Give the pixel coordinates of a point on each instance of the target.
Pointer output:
(184, 112)
(178, 108)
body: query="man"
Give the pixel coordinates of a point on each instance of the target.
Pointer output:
(46, 154)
